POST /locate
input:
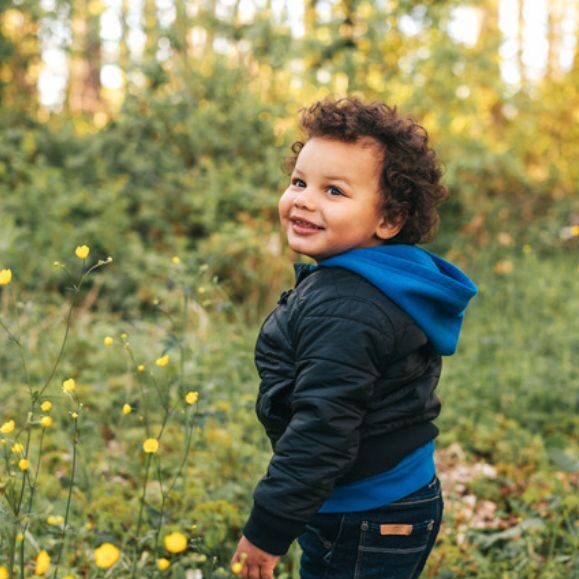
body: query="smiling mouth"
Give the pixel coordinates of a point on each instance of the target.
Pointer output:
(303, 223)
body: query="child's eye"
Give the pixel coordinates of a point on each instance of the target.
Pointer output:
(334, 191)
(298, 182)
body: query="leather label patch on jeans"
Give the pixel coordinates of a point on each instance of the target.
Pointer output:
(396, 529)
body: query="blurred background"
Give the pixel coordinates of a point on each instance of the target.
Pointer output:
(157, 129)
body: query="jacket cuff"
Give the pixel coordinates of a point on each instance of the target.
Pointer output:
(271, 533)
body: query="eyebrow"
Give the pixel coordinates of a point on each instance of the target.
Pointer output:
(326, 177)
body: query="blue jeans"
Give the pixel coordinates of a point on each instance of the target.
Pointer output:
(390, 542)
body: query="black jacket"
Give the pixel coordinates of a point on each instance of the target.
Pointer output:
(346, 392)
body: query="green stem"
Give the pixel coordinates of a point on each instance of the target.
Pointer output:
(140, 517)
(69, 497)
(30, 502)
(16, 340)
(73, 304)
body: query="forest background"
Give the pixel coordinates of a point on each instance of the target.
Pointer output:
(154, 133)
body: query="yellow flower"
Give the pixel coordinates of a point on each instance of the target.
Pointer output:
(8, 427)
(23, 464)
(17, 448)
(19, 538)
(151, 445)
(106, 555)
(69, 386)
(55, 520)
(201, 290)
(46, 406)
(46, 421)
(74, 415)
(175, 542)
(162, 361)
(140, 368)
(5, 276)
(163, 564)
(82, 251)
(191, 397)
(42, 563)
(236, 568)
(127, 409)
(3, 572)
(108, 341)
(175, 260)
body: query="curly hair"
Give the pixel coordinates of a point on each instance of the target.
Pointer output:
(410, 174)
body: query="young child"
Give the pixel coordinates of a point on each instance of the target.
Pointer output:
(350, 358)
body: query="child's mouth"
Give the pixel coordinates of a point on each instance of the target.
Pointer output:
(300, 226)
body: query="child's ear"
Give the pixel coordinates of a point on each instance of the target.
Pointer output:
(388, 229)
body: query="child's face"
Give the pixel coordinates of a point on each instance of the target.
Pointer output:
(333, 202)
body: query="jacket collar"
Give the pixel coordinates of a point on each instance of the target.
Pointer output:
(302, 270)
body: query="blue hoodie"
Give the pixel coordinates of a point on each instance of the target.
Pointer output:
(435, 294)
(432, 291)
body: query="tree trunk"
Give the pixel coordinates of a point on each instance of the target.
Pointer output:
(20, 62)
(520, 41)
(84, 86)
(556, 10)
(310, 17)
(151, 27)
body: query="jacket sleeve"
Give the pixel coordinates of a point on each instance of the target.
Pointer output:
(339, 346)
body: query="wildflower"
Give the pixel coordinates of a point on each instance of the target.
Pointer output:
(55, 520)
(19, 537)
(140, 368)
(8, 427)
(124, 336)
(106, 555)
(201, 290)
(151, 445)
(127, 409)
(46, 421)
(108, 341)
(46, 406)
(23, 464)
(163, 564)
(3, 572)
(505, 239)
(5, 276)
(82, 251)
(236, 568)
(69, 386)
(163, 361)
(17, 448)
(74, 415)
(504, 267)
(109, 259)
(223, 406)
(191, 397)
(42, 563)
(175, 260)
(175, 542)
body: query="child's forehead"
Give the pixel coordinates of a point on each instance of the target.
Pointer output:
(319, 151)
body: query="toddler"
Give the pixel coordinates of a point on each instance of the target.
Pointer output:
(350, 358)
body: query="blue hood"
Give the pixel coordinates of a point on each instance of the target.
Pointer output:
(429, 289)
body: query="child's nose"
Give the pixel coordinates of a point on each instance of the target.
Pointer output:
(304, 199)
